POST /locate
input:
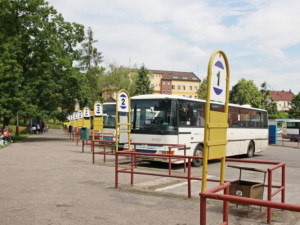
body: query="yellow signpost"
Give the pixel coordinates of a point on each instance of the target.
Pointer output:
(98, 118)
(75, 122)
(216, 122)
(86, 117)
(124, 126)
(80, 119)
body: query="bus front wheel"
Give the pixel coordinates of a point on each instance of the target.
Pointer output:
(198, 152)
(251, 150)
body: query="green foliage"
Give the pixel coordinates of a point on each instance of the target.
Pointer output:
(38, 50)
(118, 77)
(295, 110)
(268, 103)
(90, 57)
(143, 82)
(246, 92)
(202, 90)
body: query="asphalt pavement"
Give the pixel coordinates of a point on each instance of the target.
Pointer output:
(46, 180)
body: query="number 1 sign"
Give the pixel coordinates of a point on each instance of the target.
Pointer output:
(218, 79)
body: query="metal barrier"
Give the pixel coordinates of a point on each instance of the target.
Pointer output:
(104, 144)
(133, 156)
(170, 152)
(211, 193)
(281, 141)
(97, 136)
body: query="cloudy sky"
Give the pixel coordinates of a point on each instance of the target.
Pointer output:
(261, 38)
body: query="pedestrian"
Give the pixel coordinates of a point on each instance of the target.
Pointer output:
(2, 140)
(7, 135)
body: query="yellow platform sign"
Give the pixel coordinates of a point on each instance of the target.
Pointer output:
(216, 122)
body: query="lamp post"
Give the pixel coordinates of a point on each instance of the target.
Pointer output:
(17, 126)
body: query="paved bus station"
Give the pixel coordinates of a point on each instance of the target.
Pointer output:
(48, 180)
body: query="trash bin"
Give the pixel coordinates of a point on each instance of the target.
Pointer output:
(84, 134)
(246, 189)
(70, 129)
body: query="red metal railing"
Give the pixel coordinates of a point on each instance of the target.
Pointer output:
(104, 144)
(133, 156)
(97, 136)
(281, 141)
(170, 152)
(211, 193)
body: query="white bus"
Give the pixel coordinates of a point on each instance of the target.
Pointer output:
(167, 119)
(290, 128)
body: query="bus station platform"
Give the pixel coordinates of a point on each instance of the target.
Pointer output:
(46, 179)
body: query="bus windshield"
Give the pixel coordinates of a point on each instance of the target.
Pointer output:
(109, 116)
(153, 115)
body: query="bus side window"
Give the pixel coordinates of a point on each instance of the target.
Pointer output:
(234, 117)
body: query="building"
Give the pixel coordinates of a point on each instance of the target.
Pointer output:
(282, 99)
(185, 84)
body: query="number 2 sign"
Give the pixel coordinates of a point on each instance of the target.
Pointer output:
(123, 102)
(218, 79)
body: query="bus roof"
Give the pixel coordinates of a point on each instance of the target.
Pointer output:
(288, 120)
(165, 96)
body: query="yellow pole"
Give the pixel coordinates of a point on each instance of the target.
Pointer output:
(117, 123)
(223, 160)
(207, 110)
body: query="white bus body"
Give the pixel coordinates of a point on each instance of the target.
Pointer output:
(166, 119)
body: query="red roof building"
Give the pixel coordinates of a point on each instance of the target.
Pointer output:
(282, 99)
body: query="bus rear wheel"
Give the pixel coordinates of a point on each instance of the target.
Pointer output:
(198, 152)
(251, 150)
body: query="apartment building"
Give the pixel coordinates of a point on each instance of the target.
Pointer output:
(185, 84)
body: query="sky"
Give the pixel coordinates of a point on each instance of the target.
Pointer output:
(261, 38)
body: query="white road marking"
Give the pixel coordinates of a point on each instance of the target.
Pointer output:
(180, 184)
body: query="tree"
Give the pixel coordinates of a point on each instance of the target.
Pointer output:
(90, 57)
(267, 102)
(143, 82)
(118, 77)
(40, 48)
(245, 92)
(295, 110)
(202, 90)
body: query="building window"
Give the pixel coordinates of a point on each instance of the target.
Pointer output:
(191, 88)
(183, 87)
(190, 96)
(168, 82)
(178, 87)
(173, 87)
(195, 96)
(195, 88)
(175, 77)
(168, 91)
(164, 91)
(185, 78)
(152, 77)
(164, 83)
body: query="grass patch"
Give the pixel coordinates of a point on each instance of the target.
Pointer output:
(55, 126)
(20, 137)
